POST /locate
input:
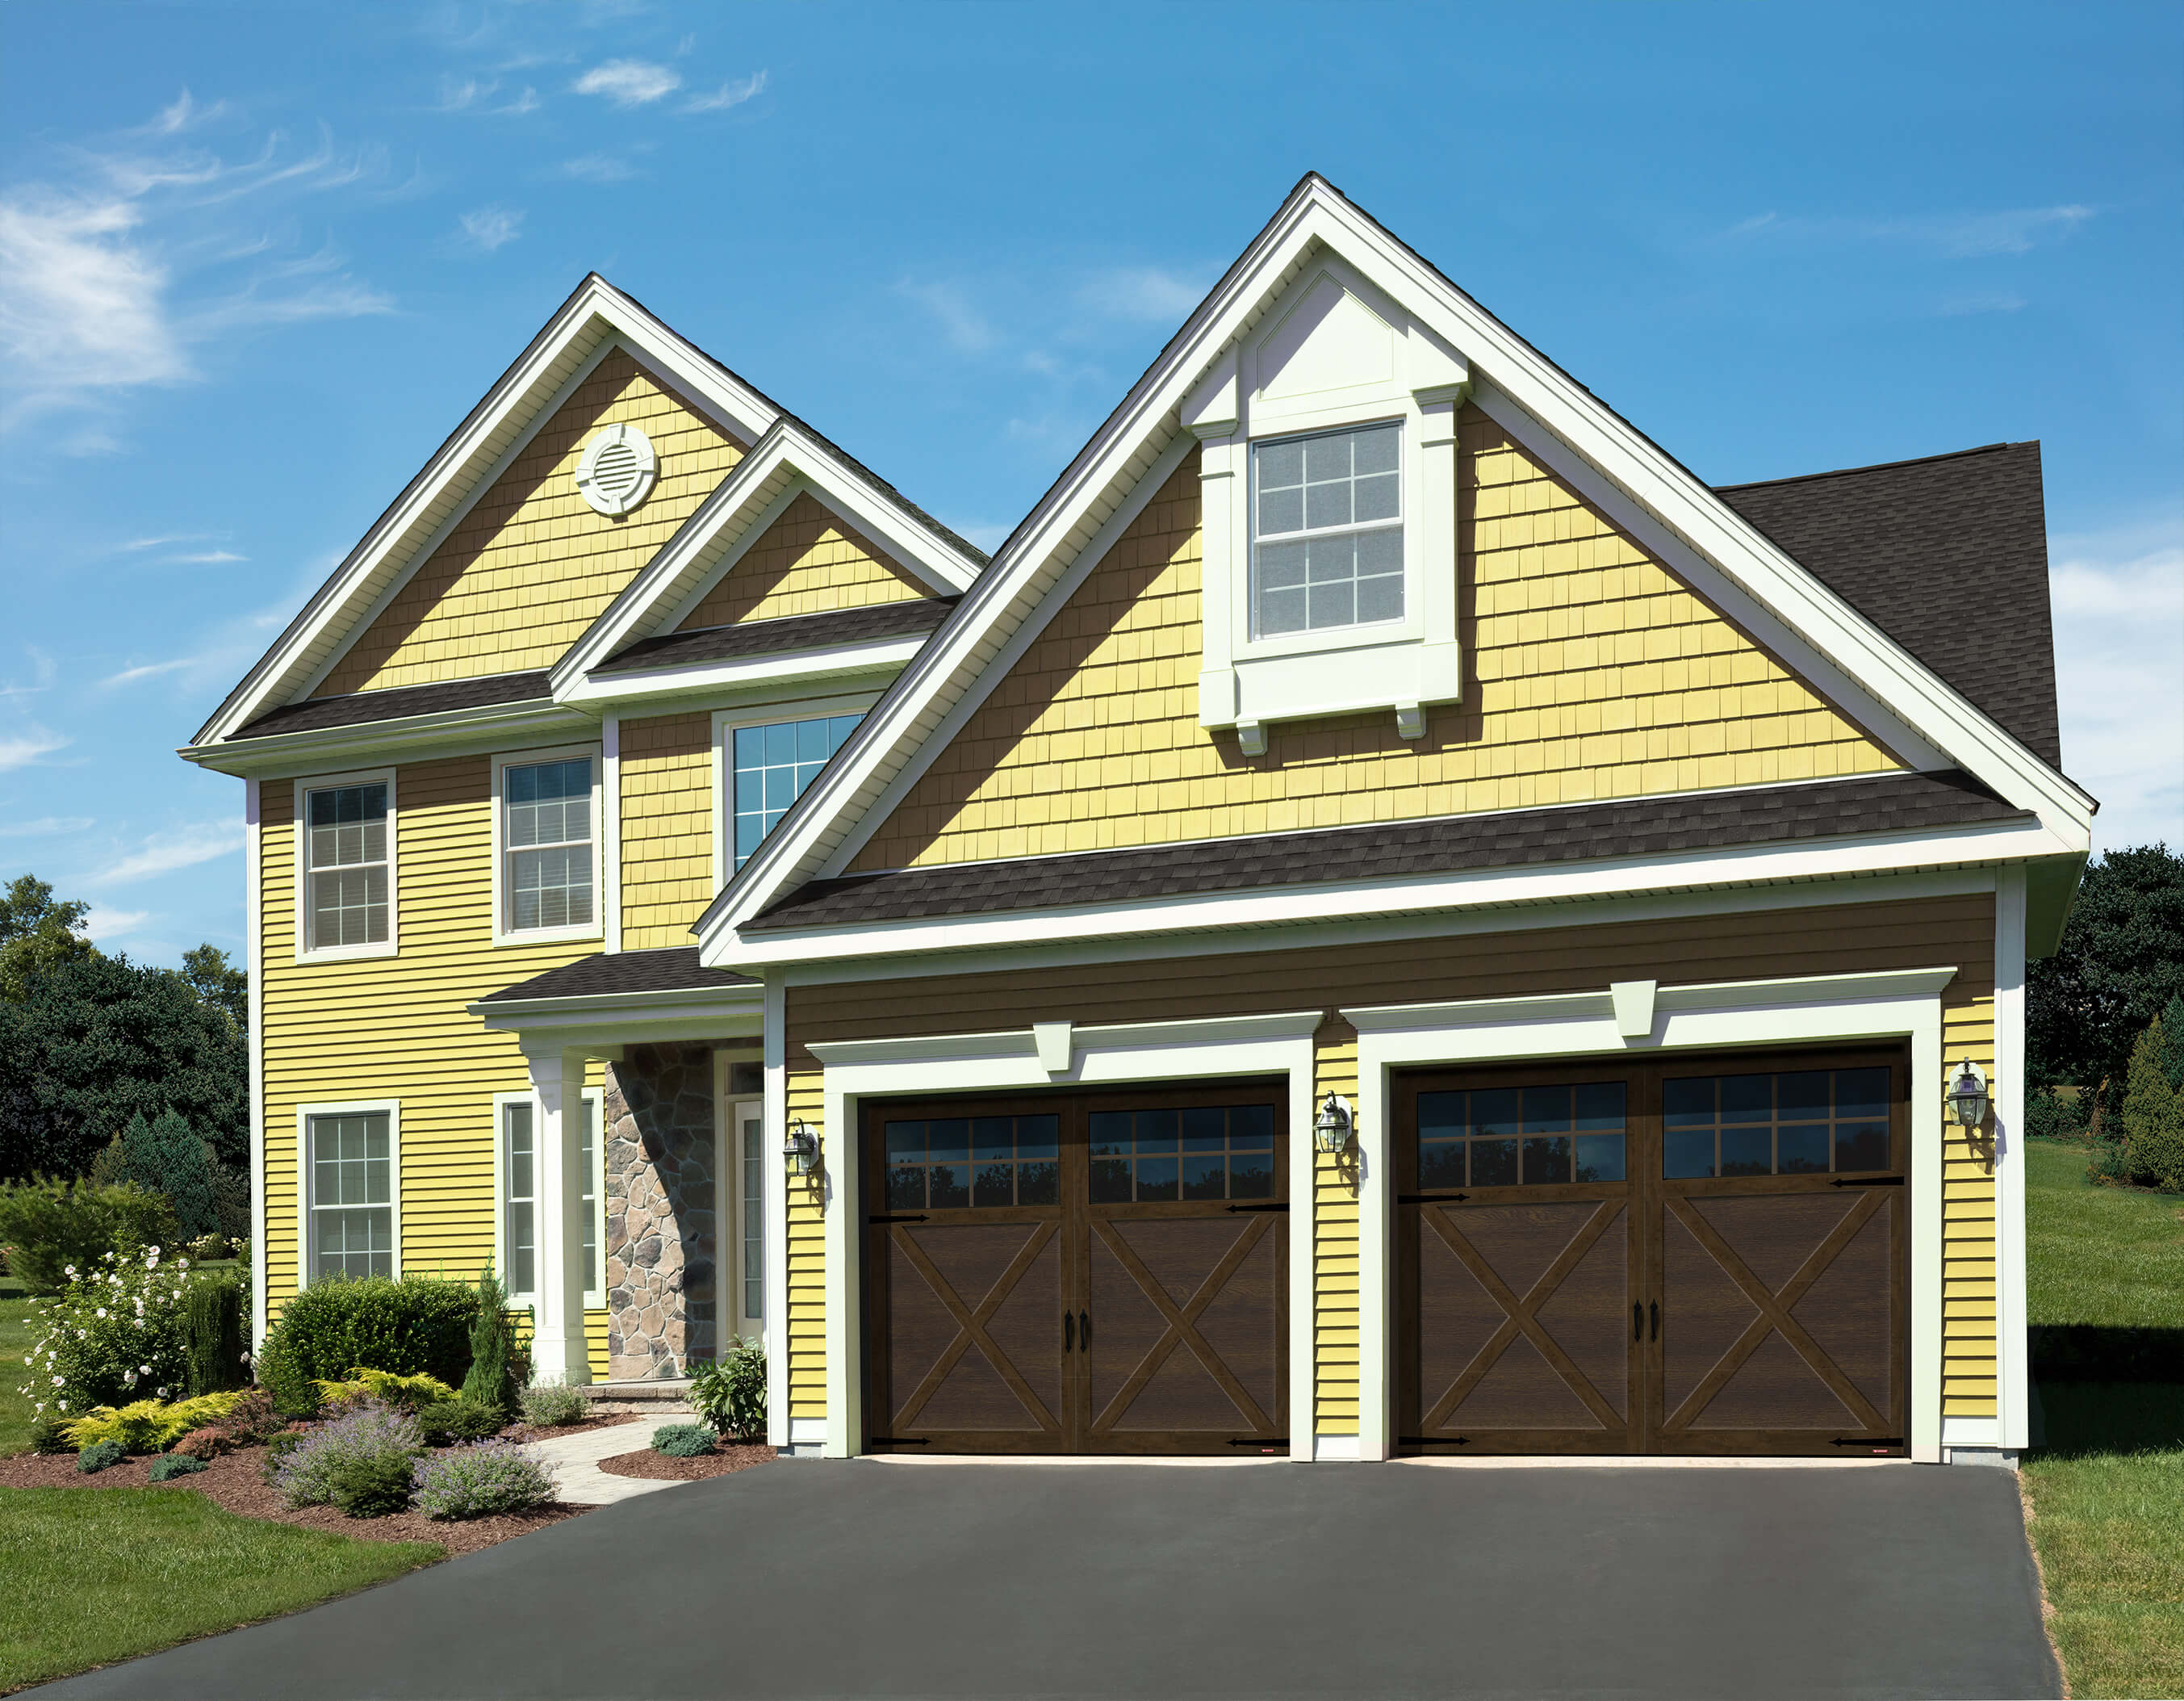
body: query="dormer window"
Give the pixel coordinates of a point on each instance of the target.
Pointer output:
(1327, 531)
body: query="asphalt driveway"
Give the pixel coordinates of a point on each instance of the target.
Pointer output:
(809, 1579)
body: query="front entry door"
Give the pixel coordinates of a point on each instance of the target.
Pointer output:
(1696, 1256)
(1078, 1273)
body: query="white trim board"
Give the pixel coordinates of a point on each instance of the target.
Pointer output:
(1897, 1004)
(1113, 1053)
(301, 789)
(253, 967)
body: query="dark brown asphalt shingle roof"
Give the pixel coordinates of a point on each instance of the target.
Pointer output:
(1949, 557)
(779, 637)
(1514, 839)
(358, 708)
(676, 969)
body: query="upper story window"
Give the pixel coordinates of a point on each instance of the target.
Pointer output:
(1327, 531)
(546, 846)
(346, 867)
(772, 765)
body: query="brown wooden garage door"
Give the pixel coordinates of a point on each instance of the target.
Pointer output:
(1078, 1273)
(1689, 1256)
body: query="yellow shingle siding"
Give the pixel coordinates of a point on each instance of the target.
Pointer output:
(1334, 1246)
(1592, 673)
(810, 562)
(532, 565)
(807, 1257)
(394, 1027)
(666, 828)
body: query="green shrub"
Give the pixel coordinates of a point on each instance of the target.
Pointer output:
(2049, 1116)
(215, 1353)
(446, 1423)
(364, 1383)
(49, 1225)
(555, 1402)
(114, 1336)
(165, 1157)
(683, 1441)
(478, 1481)
(99, 1456)
(277, 1450)
(250, 1419)
(360, 1456)
(169, 1465)
(148, 1425)
(731, 1395)
(376, 1486)
(2153, 1113)
(491, 1380)
(406, 1326)
(49, 1437)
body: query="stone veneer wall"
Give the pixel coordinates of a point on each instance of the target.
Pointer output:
(661, 1249)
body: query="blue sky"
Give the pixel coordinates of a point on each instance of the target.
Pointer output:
(256, 262)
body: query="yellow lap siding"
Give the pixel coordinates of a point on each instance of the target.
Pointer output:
(1968, 1385)
(1335, 1247)
(810, 562)
(666, 828)
(807, 1257)
(531, 564)
(1594, 674)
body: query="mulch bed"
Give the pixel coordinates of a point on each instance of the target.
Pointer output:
(726, 1456)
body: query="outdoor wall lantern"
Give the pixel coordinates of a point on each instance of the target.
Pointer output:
(1967, 1099)
(801, 1147)
(1332, 1126)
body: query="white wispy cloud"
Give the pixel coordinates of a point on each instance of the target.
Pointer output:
(629, 82)
(964, 325)
(469, 95)
(201, 558)
(150, 670)
(180, 847)
(2118, 611)
(20, 749)
(1986, 301)
(1951, 236)
(489, 228)
(45, 827)
(599, 167)
(167, 539)
(731, 93)
(106, 925)
(1147, 293)
(186, 114)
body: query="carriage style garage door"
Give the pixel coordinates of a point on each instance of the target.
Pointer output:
(1695, 1255)
(1077, 1273)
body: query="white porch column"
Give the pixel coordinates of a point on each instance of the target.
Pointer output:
(559, 1351)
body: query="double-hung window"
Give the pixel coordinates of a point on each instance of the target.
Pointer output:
(547, 836)
(349, 1165)
(1327, 531)
(519, 1172)
(772, 765)
(347, 866)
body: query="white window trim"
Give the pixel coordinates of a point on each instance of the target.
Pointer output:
(596, 1299)
(1893, 1004)
(1114, 1054)
(725, 723)
(305, 951)
(502, 934)
(730, 1203)
(1246, 682)
(306, 1251)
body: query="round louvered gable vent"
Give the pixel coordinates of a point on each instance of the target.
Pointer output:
(618, 469)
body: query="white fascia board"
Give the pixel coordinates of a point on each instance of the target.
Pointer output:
(1282, 906)
(454, 732)
(1316, 214)
(755, 677)
(785, 464)
(594, 318)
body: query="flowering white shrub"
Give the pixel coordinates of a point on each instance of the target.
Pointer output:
(113, 1335)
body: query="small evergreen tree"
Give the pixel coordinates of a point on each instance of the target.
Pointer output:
(166, 1157)
(491, 1380)
(2154, 1113)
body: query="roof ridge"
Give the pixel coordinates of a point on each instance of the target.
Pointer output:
(1874, 466)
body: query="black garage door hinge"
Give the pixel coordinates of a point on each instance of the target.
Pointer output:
(1273, 1205)
(899, 1440)
(1430, 1198)
(895, 1220)
(1267, 1442)
(1867, 1440)
(1433, 1441)
(1867, 1181)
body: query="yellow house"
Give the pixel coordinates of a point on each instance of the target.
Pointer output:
(1387, 918)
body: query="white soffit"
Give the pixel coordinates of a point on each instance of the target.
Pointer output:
(1021, 586)
(594, 321)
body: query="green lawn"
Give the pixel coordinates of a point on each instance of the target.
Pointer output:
(99, 1575)
(2106, 1489)
(14, 1344)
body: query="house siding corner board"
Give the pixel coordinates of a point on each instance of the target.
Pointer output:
(810, 562)
(532, 565)
(1756, 945)
(394, 1027)
(1591, 673)
(667, 828)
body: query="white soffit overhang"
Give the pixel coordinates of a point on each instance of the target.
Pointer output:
(1882, 684)
(787, 462)
(594, 321)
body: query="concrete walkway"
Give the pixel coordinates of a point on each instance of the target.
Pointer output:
(575, 1459)
(809, 1579)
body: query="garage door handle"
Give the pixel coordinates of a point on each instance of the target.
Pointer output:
(1085, 1330)
(1657, 1319)
(1637, 1321)
(1068, 1333)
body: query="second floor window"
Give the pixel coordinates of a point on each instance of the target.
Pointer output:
(345, 866)
(773, 765)
(1327, 532)
(546, 837)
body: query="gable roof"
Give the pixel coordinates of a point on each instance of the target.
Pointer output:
(1693, 532)
(595, 318)
(1932, 551)
(789, 634)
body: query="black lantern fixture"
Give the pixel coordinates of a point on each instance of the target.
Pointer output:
(1967, 1097)
(801, 1147)
(1331, 1126)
